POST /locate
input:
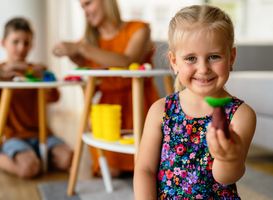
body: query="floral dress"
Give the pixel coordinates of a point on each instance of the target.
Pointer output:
(185, 170)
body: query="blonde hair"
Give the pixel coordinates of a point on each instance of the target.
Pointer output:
(112, 13)
(189, 21)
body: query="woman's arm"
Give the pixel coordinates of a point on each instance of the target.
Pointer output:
(145, 173)
(230, 154)
(138, 46)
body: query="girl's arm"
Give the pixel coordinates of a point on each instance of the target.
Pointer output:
(230, 154)
(145, 173)
(138, 46)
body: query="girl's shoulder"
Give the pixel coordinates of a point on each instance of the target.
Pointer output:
(159, 104)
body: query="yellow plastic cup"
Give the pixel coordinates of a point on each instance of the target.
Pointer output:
(97, 121)
(112, 122)
(97, 129)
(111, 131)
(106, 121)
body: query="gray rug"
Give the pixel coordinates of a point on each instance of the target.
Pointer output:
(88, 190)
(257, 183)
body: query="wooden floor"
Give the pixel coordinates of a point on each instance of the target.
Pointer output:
(65, 126)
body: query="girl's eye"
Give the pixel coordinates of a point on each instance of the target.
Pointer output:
(191, 58)
(213, 57)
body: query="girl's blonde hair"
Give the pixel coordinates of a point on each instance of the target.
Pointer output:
(192, 20)
(112, 13)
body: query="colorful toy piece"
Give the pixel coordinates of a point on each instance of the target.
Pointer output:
(72, 78)
(117, 68)
(30, 76)
(145, 66)
(127, 141)
(83, 68)
(48, 77)
(29, 73)
(219, 119)
(19, 79)
(134, 66)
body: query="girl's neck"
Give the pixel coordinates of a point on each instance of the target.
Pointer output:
(195, 105)
(108, 30)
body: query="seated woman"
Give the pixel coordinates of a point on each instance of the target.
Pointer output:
(109, 41)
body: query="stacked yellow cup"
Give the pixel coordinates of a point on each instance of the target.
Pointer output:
(106, 121)
(97, 121)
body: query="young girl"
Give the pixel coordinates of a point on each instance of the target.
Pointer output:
(188, 158)
(20, 149)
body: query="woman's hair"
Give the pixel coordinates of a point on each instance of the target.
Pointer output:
(17, 24)
(112, 13)
(190, 21)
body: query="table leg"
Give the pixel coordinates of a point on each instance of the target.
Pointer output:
(42, 126)
(137, 92)
(4, 108)
(89, 91)
(105, 171)
(168, 82)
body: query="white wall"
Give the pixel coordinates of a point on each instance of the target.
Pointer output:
(34, 11)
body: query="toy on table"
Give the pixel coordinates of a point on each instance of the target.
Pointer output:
(48, 77)
(83, 68)
(134, 66)
(127, 139)
(137, 66)
(219, 119)
(117, 68)
(30, 76)
(19, 79)
(145, 66)
(72, 78)
(93, 68)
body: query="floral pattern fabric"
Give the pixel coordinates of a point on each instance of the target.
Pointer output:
(185, 170)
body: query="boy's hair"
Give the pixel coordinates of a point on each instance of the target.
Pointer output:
(190, 21)
(112, 13)
(18, 24)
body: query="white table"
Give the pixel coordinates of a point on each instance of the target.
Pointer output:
(137, 92)
(6, 95)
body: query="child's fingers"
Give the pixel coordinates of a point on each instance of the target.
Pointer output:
(223, 141)
(213, 142)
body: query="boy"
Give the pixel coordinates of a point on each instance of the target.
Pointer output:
(20, 149)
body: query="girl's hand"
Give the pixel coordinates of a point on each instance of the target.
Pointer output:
(38, 70)
(65, 49)
(224, 149)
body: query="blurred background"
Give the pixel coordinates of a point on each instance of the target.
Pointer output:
(55, 20)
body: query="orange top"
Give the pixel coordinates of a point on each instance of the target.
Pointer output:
(118, 44)
(118, 90)
(22, 120)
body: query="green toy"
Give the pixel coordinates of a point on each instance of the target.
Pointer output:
(219, 119)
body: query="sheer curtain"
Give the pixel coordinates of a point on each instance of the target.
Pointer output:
(65, 22)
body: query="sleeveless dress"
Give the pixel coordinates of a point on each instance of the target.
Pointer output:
(118, 90)
(185, 170)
